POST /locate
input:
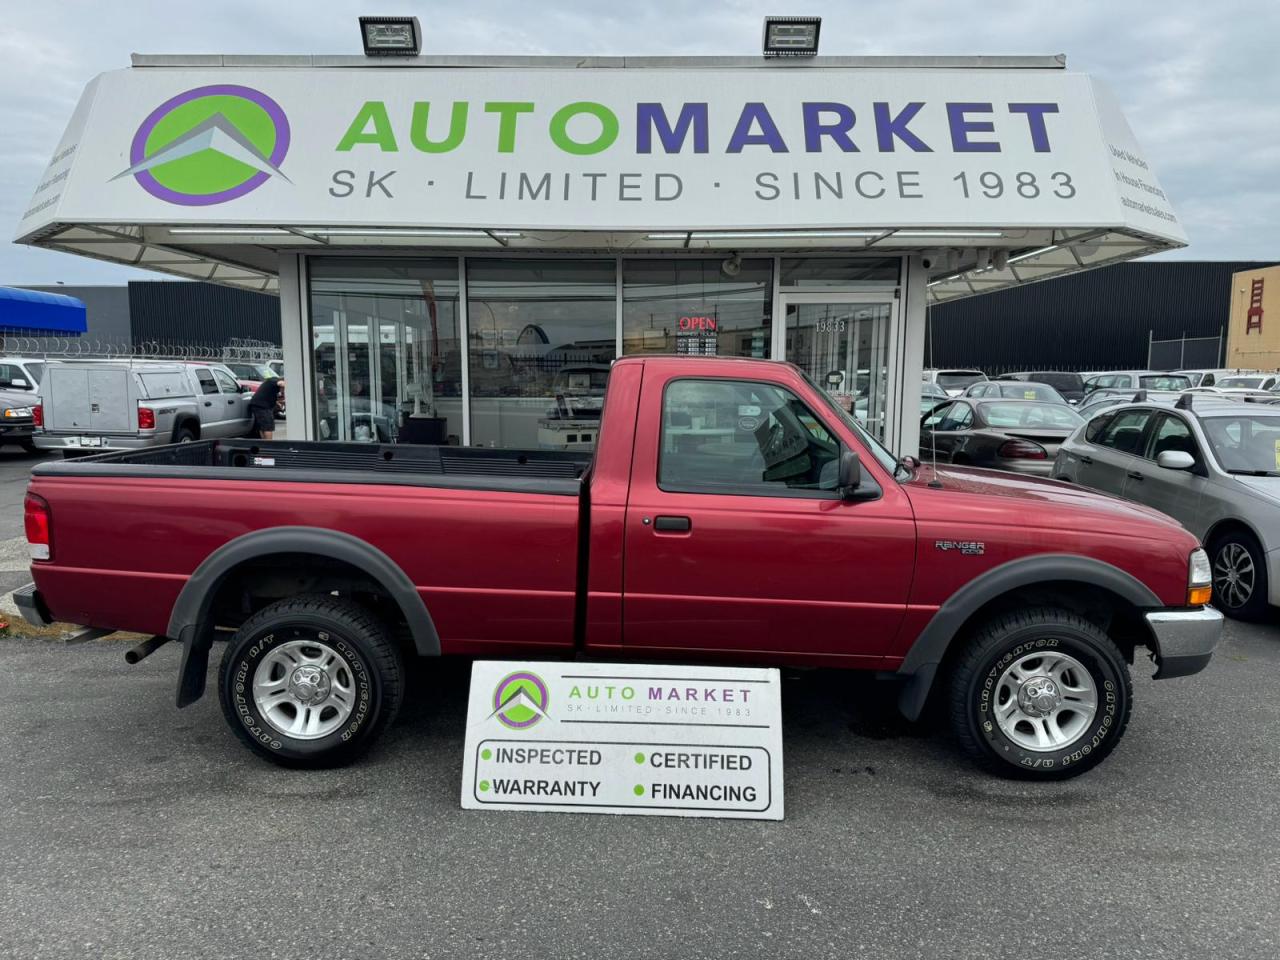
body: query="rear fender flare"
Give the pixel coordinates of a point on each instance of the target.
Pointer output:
(188, 621)
(920, 666)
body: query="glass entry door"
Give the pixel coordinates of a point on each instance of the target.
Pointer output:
(843, 344)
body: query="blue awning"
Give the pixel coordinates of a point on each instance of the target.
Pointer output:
(35, 311)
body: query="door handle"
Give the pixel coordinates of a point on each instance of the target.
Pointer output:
(230, 402)
(1087, 461)
(672, 524)
(208, 403)
(1134, 475)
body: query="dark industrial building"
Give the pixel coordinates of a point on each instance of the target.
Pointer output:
(1102, 319)
(165, 315)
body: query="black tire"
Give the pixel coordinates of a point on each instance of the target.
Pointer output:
(978, 684)
(1226, 552)
(374, 677)
(184, 435)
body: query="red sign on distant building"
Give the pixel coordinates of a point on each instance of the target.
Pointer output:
(1253, 319)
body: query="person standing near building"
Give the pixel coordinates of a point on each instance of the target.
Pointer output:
(266, 400)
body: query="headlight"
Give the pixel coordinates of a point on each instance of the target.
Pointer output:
(18, 412)
(1199, 579)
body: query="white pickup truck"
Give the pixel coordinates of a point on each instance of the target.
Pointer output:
(96, 405)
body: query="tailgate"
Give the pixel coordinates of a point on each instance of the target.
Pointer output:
(79, 399)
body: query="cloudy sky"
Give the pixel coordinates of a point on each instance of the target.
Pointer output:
(1199, 82)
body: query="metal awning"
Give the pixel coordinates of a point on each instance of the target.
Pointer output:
(997, 171)
(32, 310)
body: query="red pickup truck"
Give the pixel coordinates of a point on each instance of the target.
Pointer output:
(731, 511)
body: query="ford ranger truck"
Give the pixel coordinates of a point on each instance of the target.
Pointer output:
(731, 512)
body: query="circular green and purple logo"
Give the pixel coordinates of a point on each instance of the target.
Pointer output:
(209, 145)
(520, 700)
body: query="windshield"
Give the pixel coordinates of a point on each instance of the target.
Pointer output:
(1030, 391)
(1054, 416)
(36, 370)
(1245, 443)
(878, 449)
(1165, 381)
(953, 379)
(1248, 383)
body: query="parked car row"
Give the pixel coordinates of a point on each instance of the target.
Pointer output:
(1202, 446)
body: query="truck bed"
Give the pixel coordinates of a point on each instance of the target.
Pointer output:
(520, 471)
(489, 538)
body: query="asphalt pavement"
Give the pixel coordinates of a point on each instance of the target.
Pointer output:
(129, 828)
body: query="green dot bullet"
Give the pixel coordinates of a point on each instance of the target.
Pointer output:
(486, 754)
(639, 790)
(639, 758)
(484, 786)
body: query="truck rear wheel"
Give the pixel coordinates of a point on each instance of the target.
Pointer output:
(311, 681)
(1040, 694)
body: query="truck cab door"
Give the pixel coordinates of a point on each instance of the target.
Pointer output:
(736, 539)
(232, 403)
(1115, 451)
(1175, 492)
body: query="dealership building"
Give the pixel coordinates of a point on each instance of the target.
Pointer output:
(462, 245)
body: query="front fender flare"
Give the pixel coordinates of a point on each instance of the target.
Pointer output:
(188, 621)
(920, 665)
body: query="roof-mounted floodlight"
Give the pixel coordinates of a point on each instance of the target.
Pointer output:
(791, 36)
(390, 36)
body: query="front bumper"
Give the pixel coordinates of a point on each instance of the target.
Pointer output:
(31, 605)
(1184, 640)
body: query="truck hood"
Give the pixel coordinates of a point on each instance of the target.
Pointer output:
(1068, 504)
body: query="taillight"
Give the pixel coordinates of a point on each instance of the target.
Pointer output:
(39, 529)
(37, 414)
(146, 418)
(1021, 450)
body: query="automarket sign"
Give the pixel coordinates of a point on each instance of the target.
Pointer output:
(613, 149)
(624, 738)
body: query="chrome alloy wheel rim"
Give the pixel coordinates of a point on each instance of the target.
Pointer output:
(304, 689)
(1234, 575)
(1045, 701)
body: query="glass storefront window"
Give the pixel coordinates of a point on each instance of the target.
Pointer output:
(844, 347)
(815, 273)
(542, 337)
(708, 307)
(386, 350)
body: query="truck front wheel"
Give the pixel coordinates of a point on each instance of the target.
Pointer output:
(311, 681)
(1040, 694)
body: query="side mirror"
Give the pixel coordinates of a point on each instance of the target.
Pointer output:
(849, 481)
(1175, 460)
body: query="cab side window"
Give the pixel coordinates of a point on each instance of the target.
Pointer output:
(936, 417)
(1171, 433)
(1125, 431)
(227, 383)
(960, 417)
(744, 437)
(207, 384)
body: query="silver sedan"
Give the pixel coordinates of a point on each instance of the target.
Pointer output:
(1211, 464)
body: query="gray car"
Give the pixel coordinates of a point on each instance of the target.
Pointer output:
(1212, 464)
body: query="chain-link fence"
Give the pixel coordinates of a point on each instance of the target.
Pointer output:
(1184, 353)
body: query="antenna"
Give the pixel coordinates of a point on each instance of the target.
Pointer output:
(933, 361)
